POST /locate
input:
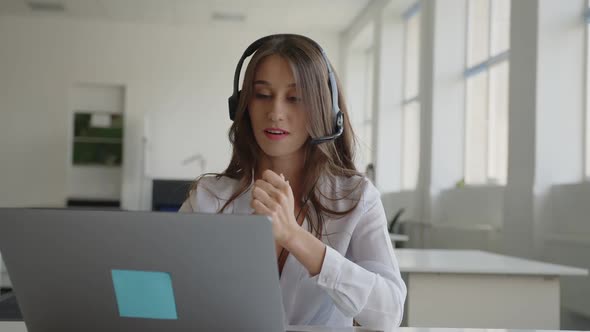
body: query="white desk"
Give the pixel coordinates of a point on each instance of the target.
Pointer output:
(20, 327)
(477, 289)
(398, 237)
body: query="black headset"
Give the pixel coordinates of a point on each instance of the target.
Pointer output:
(235, 97)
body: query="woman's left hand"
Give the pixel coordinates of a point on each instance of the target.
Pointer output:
(272, 196)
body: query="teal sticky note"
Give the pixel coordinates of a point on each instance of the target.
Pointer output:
(144, 294)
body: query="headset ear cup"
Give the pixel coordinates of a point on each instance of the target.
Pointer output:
(233, 105)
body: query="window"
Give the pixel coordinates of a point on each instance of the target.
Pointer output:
(410, 147)
(367, 121)
(360, 69)
(486, 74)
(587, 131)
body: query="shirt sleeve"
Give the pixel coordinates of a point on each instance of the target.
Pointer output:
(369, 286)
(188, 206)
(207, 195)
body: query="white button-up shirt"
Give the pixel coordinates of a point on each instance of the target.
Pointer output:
(359, 278)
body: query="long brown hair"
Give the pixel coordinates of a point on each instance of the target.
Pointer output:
(323, 162)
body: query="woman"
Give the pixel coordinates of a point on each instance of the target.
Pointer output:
(335, 258)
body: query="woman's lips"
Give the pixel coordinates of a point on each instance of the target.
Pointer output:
(275, 133)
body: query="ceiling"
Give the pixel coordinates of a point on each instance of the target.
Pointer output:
(325, 15)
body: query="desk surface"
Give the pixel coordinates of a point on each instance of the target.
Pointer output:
(477, 262)
(398, 237)
(20, 327)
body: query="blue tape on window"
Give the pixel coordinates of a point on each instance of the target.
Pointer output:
(485, 65)
(411, 11)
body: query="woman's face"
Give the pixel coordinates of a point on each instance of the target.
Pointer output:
(277, 114)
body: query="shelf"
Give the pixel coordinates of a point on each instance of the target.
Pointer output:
(101, 140)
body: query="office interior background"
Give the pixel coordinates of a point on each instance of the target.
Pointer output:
(474, 113)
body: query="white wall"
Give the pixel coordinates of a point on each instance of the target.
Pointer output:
(94, 183)
(180, 77)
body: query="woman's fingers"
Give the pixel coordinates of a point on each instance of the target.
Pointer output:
(260, 208)
(263, 197)
(272, 196)
(267, 187)
(277, 181)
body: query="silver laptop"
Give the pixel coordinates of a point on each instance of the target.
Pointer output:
(141, 271)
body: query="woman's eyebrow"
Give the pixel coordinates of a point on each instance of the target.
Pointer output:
(262, 82)
(267, 83)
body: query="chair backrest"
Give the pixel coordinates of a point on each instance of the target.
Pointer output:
(395, 219)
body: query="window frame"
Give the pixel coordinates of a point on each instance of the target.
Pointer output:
(471, 72)
(586, 115)
(412, 11)
(367, 118)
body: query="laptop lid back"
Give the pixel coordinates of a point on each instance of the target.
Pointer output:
(141, 271)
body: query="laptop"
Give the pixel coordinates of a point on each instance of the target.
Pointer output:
(80, 270)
